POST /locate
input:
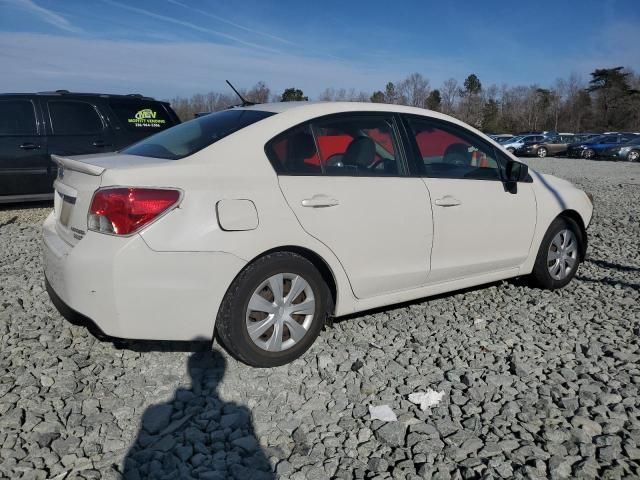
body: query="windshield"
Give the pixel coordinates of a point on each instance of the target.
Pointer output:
(189, 137)
(515, 139)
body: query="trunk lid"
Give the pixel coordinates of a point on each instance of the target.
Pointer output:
(78, 179)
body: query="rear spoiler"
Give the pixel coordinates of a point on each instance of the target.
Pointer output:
(77, 165)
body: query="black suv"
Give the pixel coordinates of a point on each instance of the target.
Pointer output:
(35, 125)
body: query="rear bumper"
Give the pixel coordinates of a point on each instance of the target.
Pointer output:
(126, 290)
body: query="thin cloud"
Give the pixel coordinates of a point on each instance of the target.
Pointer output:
(229, 22)
(190, 25)
(46, 15)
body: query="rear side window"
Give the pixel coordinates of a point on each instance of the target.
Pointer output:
(74, 118)
(343, 145)
(141, 116)
(187, 138)
(17, 117)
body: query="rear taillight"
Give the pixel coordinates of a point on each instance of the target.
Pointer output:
(122, 211)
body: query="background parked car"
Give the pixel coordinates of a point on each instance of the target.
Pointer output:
(595, 147)
(556, 145)
(629, 151)
(517, 142)
(35, 125)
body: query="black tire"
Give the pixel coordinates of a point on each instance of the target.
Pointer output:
(511, 150)
(541, 275)
(589, 154)
(542, 152)
(633, 156)
(231, 325)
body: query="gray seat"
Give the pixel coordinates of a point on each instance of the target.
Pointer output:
(361, 153)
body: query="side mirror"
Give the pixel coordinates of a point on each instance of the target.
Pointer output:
(516, 172)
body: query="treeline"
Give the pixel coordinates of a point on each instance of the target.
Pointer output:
(608, 101)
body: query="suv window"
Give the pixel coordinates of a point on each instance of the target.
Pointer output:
(141, 116)
(187, 138)
(448, 151)
(71, 117)
(17, 117)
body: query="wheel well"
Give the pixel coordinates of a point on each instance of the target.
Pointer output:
(317, 262)
(575, 216)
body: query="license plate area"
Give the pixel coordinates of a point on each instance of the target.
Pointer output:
(66, 207)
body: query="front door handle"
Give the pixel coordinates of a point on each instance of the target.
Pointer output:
(448, 201)
(29, 146)
(100, 144)
(319, 201)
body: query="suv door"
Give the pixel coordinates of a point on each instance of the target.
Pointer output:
(23, 149)
(77, 127)
(478, 226)
(345, 178)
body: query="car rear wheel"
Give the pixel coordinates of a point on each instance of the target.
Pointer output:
(589, 153)
(559, 255)
(274, 310)
(633, 156)
(542, 152)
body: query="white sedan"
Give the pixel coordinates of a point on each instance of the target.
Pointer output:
(257, 223)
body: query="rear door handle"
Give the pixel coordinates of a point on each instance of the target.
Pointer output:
(29, 146)
(319, 201)
(448, 201)
(100, 144)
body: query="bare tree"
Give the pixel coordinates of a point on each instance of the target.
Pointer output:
(414, 90)
(449, 93)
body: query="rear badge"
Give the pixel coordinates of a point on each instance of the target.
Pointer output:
(77, 233)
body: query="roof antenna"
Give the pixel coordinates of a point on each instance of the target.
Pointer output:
(245, 102)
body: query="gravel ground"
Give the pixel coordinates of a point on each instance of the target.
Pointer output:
(536, 383)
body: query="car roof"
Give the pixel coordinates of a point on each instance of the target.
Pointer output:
(65, 93)
(317, 109)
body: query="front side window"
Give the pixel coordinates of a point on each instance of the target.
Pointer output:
(448, 151)
(74, 118)
(17, 117)
(187, 138)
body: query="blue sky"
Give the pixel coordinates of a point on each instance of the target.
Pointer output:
(180, 47)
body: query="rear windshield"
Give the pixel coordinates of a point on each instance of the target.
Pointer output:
(141, 116)
(189, 137)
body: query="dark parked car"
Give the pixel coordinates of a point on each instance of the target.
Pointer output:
(554, 145)
(596, 146)
(629, 151)
(33, 126)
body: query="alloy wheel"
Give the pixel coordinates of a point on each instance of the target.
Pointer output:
(542, 152)
(633, 156)
(280, 312)
(562, 256)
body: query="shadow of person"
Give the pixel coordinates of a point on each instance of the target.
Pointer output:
(197, 435)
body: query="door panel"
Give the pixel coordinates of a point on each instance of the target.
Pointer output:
(23, 152)
(77, 128)
(344, 177)
(379, 228)
(479, 227)
(488, 230)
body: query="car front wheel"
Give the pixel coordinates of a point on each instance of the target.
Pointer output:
(511, 149)
(589, 154)
(274, 310)
(542, 152)
(559, 255)
(634, 156)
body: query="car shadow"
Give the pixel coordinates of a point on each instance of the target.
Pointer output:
(613, 266)
(609, 281)
(196, 434)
